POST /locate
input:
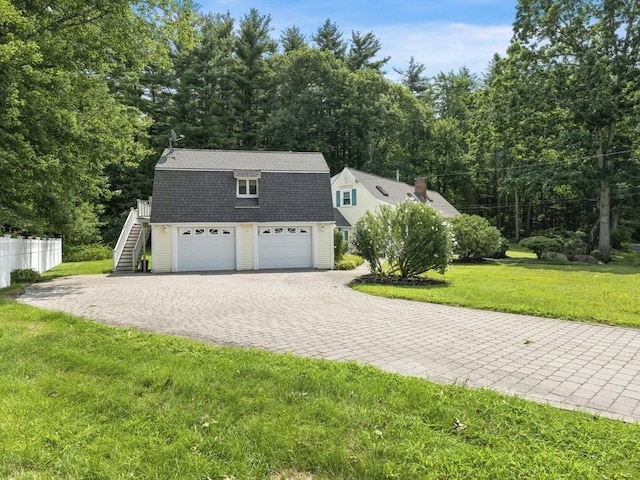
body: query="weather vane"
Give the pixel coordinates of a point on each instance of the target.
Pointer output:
(174, 138)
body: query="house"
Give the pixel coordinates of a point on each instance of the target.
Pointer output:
(240, 210)
(355, 192)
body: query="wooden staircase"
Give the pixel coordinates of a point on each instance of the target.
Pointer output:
(133, 239)
(126, 262)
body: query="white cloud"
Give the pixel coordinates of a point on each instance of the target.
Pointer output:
(443, 47)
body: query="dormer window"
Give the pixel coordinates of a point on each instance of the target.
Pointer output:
(247, 183)
(247, 187)
(346, 198)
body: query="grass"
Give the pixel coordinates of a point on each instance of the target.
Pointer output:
(604, 293)
(80, 268)
(82, 400)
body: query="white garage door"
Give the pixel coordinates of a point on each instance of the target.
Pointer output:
(206, 248)
(284, 247)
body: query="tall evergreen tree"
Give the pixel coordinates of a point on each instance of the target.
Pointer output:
(328, 37)
(292, 39)
(413, 77)
(363, 50)
(254, 45)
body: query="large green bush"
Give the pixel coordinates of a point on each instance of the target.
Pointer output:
(412, 237)
(541, 245)
(86, 253)
(571, 243)
(473, 237)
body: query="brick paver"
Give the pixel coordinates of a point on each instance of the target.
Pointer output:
(573, 365)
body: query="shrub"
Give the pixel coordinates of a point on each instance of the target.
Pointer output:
(87, 253)
(339, 245)
(620, 236)
(349, 261)
(473, 237)
(571, 243)
(574, 243)
(413, 238)
(556, 257)
(368, 239)
(26, 275)
(502, 251)
(540, 245)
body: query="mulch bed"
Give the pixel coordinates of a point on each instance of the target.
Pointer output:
(395, 280)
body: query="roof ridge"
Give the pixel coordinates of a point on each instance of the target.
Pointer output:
(377, 176)
(242, 151)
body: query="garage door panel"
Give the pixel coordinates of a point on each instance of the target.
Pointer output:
(285, 247)
(202, 249)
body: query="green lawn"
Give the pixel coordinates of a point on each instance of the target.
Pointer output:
(82, 400)
(80, 268)
(606, 293)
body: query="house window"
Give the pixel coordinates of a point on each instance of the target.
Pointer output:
(346, 198)
(345, 235)
(247, 187)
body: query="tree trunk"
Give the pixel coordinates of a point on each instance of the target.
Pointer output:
(604, 238)
(517, 217)
(604, 202)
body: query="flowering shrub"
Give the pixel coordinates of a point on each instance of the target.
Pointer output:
(412, 237)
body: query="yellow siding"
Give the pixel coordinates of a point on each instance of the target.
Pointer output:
(324, 246)
(246, 247)
(161, 249)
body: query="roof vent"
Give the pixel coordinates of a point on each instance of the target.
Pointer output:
(382, 190)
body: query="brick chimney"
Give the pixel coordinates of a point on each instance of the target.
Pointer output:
(421, 188)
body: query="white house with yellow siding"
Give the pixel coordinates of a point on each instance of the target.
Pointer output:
(240, 210)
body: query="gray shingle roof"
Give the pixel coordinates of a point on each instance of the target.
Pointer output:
(183, 193)
(339, 218)
(399, 191)
(191, 159)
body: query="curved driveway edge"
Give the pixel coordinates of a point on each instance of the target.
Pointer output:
(572, 365)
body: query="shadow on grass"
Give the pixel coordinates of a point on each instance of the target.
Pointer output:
(622, 264)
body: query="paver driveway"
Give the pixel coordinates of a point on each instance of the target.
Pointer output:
(314, 314)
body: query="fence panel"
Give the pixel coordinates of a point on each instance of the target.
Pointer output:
(39, 254)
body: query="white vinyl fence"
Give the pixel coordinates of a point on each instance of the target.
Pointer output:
(39, 254)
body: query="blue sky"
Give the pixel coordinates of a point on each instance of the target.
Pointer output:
(444, 35)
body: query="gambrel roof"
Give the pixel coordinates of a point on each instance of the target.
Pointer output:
(199, 186)
(223, 160)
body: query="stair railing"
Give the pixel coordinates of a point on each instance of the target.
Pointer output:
(144, 208)
(124, 234)
(141, 245)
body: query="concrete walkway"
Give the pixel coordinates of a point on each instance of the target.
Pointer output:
(314, 314)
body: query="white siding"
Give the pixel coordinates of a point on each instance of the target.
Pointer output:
(161, 248)
(364, 199)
